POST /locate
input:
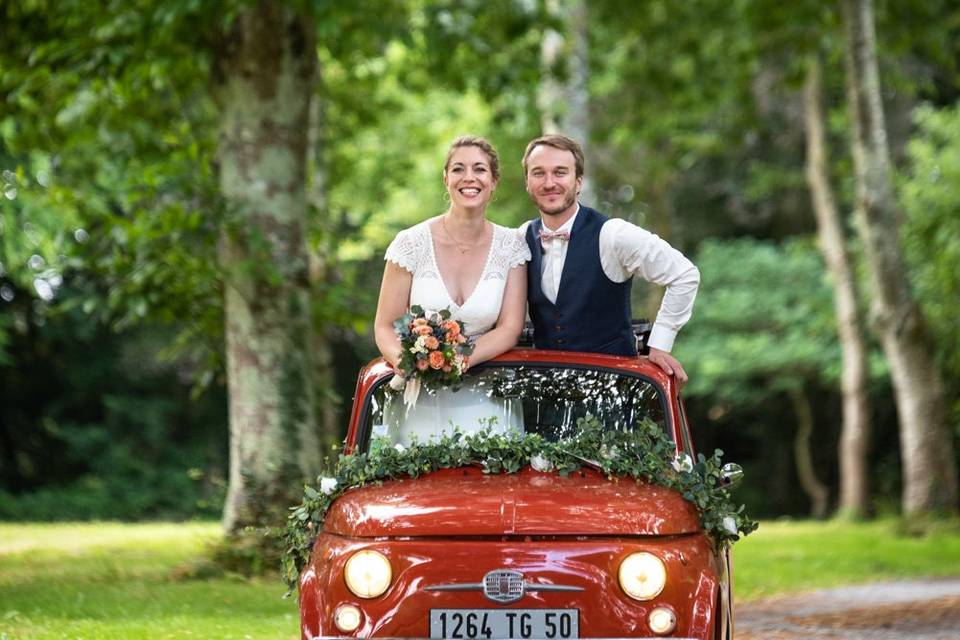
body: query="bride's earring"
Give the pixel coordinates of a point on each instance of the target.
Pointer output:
(446, 192)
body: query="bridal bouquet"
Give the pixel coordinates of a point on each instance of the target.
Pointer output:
(434, 354)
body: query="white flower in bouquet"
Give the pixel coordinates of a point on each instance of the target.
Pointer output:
(730, 525)
(682, 462)
(539, 463)
(419, 346)
(327, 485)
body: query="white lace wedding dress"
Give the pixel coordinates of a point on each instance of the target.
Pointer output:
(470, 408)
(413, 250)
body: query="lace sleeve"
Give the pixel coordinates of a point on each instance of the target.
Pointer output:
(404, 250)
(517, 249)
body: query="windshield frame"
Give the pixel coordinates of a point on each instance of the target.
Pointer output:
(363, 432)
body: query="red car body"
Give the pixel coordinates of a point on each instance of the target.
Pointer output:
(454, 526)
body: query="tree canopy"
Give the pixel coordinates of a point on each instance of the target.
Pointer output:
(113, 210)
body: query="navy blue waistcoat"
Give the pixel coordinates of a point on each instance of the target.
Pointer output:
(592, 312)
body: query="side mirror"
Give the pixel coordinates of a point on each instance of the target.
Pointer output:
(731, 474)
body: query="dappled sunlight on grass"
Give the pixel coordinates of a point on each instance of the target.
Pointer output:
(86, 535)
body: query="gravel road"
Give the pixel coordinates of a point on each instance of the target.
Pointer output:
(906, 610)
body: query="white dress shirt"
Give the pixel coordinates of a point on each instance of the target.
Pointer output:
(627, 250)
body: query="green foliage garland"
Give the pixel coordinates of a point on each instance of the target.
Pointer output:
(644, 454)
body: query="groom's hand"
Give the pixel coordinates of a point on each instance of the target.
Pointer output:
(670, 365)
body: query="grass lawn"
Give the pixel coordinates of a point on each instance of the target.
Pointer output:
(796, 556)
(113, 581)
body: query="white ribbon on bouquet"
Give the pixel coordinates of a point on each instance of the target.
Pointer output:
(411, 389)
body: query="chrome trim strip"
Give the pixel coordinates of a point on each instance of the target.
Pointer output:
(478, 586)
(529, 586)
(466, 586)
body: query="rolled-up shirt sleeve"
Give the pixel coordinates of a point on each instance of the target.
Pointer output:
(627, 250)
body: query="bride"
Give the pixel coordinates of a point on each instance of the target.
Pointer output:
(461, 261)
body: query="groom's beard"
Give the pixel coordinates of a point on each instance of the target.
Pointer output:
(560, 208)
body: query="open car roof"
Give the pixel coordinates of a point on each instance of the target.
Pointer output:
(377, 371)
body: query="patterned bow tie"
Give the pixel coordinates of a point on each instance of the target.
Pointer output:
(549, 236)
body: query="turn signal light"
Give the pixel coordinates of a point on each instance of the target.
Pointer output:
(662, 621)
(347, 618)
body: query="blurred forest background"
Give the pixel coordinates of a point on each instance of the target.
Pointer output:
(196, 196)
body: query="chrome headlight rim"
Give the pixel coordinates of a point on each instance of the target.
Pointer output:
(642, 576)
(368, 574)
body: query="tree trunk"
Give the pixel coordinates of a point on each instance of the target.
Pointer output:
(321, 271)
(855, 434)
(929, 467)
(817, 492)
(564, 95)
(263, 84)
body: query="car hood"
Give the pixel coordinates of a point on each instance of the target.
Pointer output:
(461, 502)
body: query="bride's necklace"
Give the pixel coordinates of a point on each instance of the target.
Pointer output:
(463, 247)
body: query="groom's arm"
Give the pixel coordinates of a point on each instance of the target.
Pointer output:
(628, 250)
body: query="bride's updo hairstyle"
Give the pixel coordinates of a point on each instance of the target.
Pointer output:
(483, 144)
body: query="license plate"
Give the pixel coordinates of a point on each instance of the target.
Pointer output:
(504, 623)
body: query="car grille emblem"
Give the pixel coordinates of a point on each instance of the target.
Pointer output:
(503, 586)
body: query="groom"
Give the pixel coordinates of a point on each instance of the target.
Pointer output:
(578, 282)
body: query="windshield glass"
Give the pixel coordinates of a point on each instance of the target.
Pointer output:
(543, 400)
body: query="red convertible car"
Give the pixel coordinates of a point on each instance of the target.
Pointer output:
(459, 553)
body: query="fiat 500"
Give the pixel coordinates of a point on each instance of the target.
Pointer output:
(463, 553)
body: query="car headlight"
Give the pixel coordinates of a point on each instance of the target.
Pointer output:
(368, 574)
(642, 575)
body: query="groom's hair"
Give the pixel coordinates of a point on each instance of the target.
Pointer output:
(481, 143)
(556, 141)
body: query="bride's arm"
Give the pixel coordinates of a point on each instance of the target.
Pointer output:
(393, 302)
(510, 323)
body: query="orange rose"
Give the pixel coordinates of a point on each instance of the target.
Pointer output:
(436, 359)
(431, 342)
(452, 328)
(422, 330)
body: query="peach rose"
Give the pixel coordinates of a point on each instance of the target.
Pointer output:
(418, 322)
(447, 368)
(422, 365)
(461, 339)
(422, 330)
(452, 328)
(436, 359)
(431, 342)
